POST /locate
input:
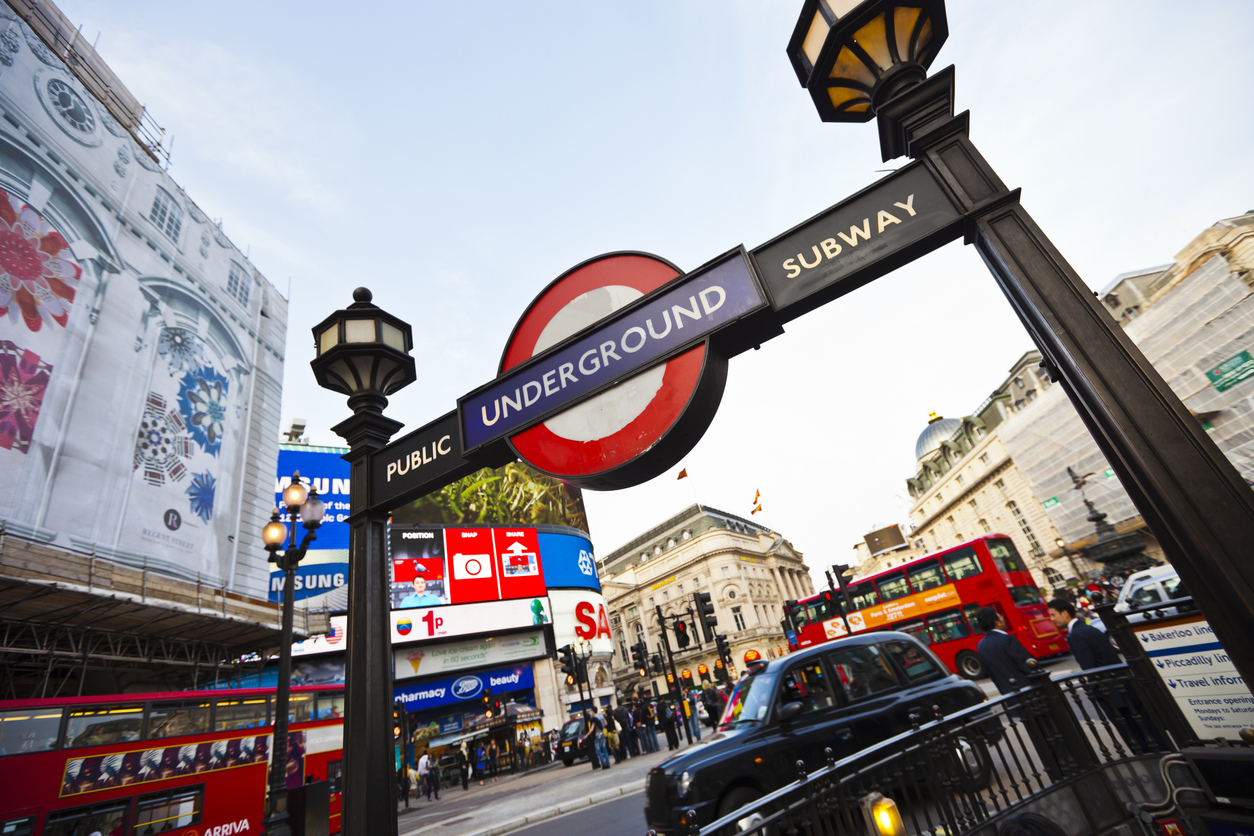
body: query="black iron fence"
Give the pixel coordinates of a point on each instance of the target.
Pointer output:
(1078, 750)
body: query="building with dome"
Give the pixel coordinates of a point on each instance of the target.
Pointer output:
(967, 485)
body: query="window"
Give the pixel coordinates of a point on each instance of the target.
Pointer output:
(893, 587)
(1000, 484)
(666, 596)
(974, 506)
(913, 662)
(737, 618)
(166, 214)
(1033, 546)
(917, 629)
(1145, 596)
(238, 283)
(926, 575)
(169, 810)
(863, 595)
(105, 817)
(1053, 577)
(30, 730)
(1174, 588)
(1019, 382)
(984, 457)
(633, 611)
(94, 726)
(974, 626)
(808, 686)
(651, 604)
(300, 708)
(1025, 596)
(679, 590)
(622, 652)
(330, 706)
(961, 564)
(1030, 395)
(862, 672)
(958, 478)
(731, 593)
(726, 572)
(984, 525)
(670, 544)
(18, 827)
(947, 626)
(639, 633)
(175, 719)
(1005, 558)
(229, 715)
(687, 535)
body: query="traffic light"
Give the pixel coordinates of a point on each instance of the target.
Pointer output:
(705, 614)
(720, 672)
(655, 664)
(640, 656)
(682, 639)
(398, 719)
(567, 655)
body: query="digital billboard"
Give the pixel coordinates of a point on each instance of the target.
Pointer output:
(448, 657)
(434, 566)
(324, 568)
(444, 622)
(580, 614)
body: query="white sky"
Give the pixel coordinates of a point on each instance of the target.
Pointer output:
(456, 157)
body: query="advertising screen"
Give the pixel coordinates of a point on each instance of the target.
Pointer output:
(581, 614)
(422, 623)
(324, 568)
(448, 657)
(568, 561)
(433, 566)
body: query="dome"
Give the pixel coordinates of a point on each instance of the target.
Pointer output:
(938, 429)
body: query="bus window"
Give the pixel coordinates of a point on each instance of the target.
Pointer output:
(797, 615)
(1005, 558)
(917, 629)
(330, 705)
(974, 626)
(106, 817)
(863, 595)
(1026, 595)
(24, 826)
(159, 812)
(820, 610)
(926, 575)
(175, 719)
(947, 626)
(333, 774)
(300, 707)
(29, 730)
(962, 564)
(113, 724)
(229, 715)
(893, 586)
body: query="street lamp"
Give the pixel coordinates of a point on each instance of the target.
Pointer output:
(1062, 544)
(867, 60)
(297, 500)
(363, 352)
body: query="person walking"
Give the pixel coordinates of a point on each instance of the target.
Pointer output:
(462, 759)
(1004, 657)
(402, 782)
(650, 726)
(481, 762)
(694, 717)
(494, 754)
(667, 717)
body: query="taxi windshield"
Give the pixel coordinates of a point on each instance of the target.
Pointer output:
(750, 702)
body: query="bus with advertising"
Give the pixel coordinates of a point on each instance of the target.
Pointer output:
(192, 763)
(935, 598)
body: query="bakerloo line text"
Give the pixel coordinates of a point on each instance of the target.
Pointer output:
(599, 360)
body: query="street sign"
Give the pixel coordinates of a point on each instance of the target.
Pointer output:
(889, 224)
(660, 325)
(1199, 674)
(423, 461)
(1231, 371)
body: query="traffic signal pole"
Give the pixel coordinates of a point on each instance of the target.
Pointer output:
(670, 659)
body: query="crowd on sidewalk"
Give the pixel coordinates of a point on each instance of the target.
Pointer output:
(632, 728)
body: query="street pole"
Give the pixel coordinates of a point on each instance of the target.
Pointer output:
(676, 694)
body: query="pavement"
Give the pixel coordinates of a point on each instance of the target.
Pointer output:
(521, 799)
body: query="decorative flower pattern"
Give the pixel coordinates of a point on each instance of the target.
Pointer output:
(202, 400)
(23, 380)
(37, 273)
(162, 445)
(182, 350)
(201, 493)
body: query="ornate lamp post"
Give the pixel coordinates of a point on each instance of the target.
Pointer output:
(297, 500)
(363, 352)
(870, 60)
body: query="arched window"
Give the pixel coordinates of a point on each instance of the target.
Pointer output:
(166, 214)
(639, 632)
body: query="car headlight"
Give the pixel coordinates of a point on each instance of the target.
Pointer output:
(685, 780)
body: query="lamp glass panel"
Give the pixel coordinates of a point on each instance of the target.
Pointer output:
(328, 338)
(840, 8)
(850, 67)
(364, 364)
(341, 372)
(840, 95)
(858, 108)
(815, 37)
(925, 39)
(359, 331)
(393, 336)
(874, 39)
(904, 20)
(385, 374)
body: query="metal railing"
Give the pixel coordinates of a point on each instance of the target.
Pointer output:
(1084, 746)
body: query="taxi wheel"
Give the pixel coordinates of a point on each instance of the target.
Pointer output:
(973, 767)
(969, 665)
(568, 761)
(736, 799)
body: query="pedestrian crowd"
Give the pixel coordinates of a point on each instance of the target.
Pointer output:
(632, 728)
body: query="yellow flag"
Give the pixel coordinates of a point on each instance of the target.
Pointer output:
(755, 510)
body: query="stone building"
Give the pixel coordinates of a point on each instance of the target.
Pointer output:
(748, 570)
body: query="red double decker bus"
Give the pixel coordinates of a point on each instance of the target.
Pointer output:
(192, 763)
(935, 598)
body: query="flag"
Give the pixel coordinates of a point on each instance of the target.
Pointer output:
(755, 510)
(683, 474)
(756, 496)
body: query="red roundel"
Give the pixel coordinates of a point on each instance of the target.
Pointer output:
(630, 432)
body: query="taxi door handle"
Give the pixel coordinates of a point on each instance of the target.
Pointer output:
(843, 734)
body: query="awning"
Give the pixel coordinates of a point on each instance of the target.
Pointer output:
(452, 739)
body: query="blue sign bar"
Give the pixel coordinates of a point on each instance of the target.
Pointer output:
(449, 690)
(680, 315)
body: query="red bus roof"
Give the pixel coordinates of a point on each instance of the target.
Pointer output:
(161, 696)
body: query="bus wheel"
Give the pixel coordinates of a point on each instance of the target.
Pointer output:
(969, 665)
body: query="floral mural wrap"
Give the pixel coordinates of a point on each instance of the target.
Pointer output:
(38, 276)
(181, 349)
(163, 444)
(202, 400)
(23, 381)
(200, 491)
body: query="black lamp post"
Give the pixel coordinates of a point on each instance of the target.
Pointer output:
(363, 352)
(870, 60)
(297, 500)
(1062, 544)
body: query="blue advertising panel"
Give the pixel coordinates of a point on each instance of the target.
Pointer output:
(322, 467)
(568, 561)
(449, 690)
(311, 579)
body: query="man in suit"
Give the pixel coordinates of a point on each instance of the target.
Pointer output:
(1092, 649)
(1004, 657)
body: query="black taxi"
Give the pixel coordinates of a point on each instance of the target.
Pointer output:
(845, 695)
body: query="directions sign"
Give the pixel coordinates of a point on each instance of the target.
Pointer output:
(676, 316)
(877, 230)
(1200, 676)
(425, 460)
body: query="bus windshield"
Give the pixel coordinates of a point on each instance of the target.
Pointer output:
(1005, 558)
(750, 702)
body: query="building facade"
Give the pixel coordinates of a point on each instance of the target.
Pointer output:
(748, 570)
